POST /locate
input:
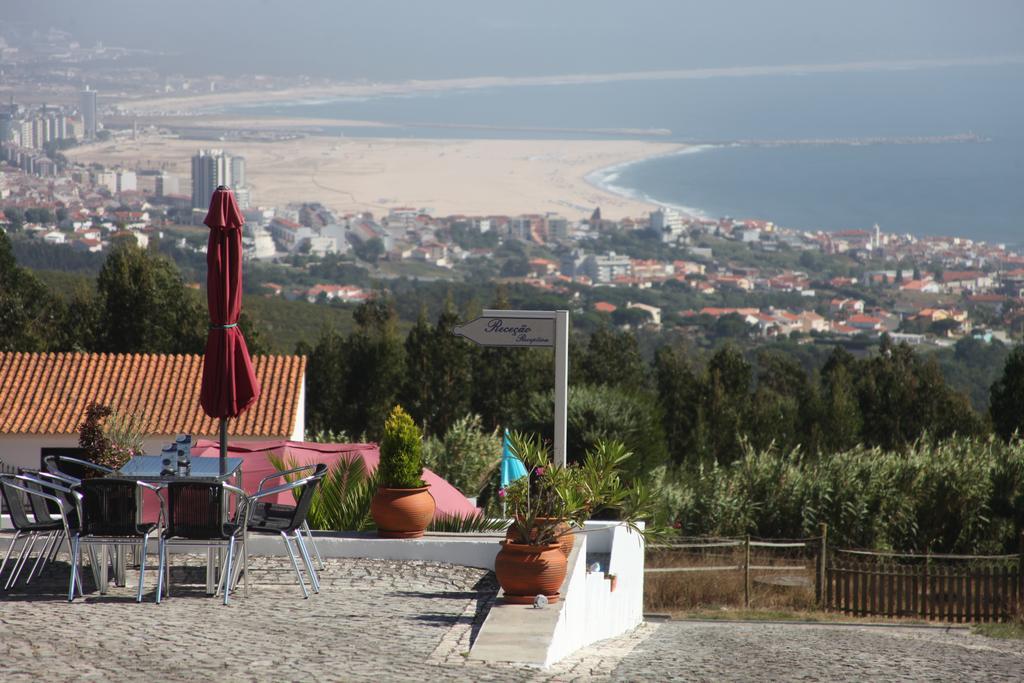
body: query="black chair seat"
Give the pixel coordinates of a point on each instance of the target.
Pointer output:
(273, 524)
(228, 529)
(42, 526)
(140, 530)
(264, 511)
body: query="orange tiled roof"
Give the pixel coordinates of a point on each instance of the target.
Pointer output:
(47, 393)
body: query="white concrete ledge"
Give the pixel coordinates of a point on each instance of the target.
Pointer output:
(471, 550)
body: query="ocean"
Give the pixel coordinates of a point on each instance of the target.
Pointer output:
(811, 151)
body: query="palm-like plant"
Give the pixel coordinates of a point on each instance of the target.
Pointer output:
(342, 501)
(551, 497)
(469, 524)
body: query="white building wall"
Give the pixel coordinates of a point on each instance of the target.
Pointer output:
(299, 433)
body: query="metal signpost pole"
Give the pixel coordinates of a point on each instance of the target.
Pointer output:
(561, 383)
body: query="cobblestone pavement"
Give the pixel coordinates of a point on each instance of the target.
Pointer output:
(374, 620)
(378, 620)
(702, 651)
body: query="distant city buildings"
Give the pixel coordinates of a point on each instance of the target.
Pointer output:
(87, 105)
(117, 181)
(214, 167)
(669, 222)
(27, 133)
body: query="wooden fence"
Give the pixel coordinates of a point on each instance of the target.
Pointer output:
(951, 588)
(948, 588)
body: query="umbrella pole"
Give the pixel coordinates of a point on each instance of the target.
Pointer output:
(223, 446)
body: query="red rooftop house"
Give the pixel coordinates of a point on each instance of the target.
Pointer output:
(45, 396)
(866, 323)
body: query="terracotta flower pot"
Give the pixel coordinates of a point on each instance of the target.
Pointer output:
(526, 571)
(566, 541)
(402, 513)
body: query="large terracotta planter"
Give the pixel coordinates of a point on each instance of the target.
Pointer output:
(566, 540)
(402, 513)
(526, 571)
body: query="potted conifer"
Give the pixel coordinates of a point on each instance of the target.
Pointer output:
(402, 506)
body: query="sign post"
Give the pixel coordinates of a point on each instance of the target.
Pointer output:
(530, 329)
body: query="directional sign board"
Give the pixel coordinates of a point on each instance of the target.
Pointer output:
(530, 329)
(502, 331)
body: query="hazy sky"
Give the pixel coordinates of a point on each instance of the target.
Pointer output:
(398, 39)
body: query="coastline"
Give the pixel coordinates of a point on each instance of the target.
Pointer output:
(604, 179)
(331, 91)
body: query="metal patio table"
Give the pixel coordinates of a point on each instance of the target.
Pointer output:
(147, 468)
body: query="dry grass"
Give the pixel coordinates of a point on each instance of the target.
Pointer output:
(1010, 631)
(818, 616)
(679, 592)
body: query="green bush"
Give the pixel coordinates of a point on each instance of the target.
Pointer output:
(466, 457)
(604, 413)
(401, 460)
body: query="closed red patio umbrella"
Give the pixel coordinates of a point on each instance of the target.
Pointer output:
(229, 383)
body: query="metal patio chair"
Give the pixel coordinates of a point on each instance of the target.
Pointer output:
(287, 521)
(264, 510)
(109, 512)
(19, 492)
(197, 515)
(74, 468)
(43, 511)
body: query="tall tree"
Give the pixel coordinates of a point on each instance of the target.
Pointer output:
(416, 392)
(679, 392)
(438, 385)
(326, 382)
(612, 358)
(376, 366)
(30, 315)
(144, 307)
(725, 404)
(1006, 402)
(903, 398)
(786, 386)
(841, 418)
(604, 413)
(451, 372)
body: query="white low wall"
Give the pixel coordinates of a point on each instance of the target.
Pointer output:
(590, 610)
(471, 550)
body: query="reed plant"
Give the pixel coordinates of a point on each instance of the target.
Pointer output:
(959, 495)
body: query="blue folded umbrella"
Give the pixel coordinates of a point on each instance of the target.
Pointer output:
(512, 468)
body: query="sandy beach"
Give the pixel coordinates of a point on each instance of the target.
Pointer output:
(444, 176)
